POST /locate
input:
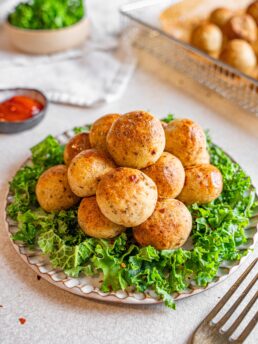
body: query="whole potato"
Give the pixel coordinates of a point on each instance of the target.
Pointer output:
(241, 26)
(203, 184)
(126, 196)
(186, 140)
(136, 140)
(220, 16)
(252, 10)
(168, 174)
(168, 227)
(207, 37)
(77, 144)
(86, 170)
(239, 54)
(53, 191)
(99, 130)
(94, 223)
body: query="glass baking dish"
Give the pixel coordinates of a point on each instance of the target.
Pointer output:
(141, 20)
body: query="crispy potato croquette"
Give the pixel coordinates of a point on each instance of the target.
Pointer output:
(207, 37)
(53, 191)
(168, 227)
(252, 10)
(168, 174)
(99, 130)
(203, 184)
(86, 170)
(126, 196)
(186, 140)
(136, 140)
(94, 223)
(220, 16)
(77, 144)
(239, 54)
(241, 26)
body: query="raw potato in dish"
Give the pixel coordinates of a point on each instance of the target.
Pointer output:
(53, 191)
(239, 54)
(94, 223)
(207, 37)
(203, 184)
(168, 228)
(187, 141)
(126, 196)
(242, 27)
(136, 140)
(99, 130)
(220, 16)
(168, 174)
(86, 170)
(77, 144)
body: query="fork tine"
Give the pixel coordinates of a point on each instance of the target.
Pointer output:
(240, 318)
(230, 292)
(247, 330)
(231, 310)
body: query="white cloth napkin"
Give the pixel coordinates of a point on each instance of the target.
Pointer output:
(96, 72)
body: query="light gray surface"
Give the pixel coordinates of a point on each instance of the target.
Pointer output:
(54, 316)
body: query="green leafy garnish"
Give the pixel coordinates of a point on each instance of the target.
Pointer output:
(46, 14)
(218, 232)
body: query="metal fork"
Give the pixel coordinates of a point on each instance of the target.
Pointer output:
(210, 333)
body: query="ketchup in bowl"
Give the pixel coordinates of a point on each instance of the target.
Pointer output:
(19, 108)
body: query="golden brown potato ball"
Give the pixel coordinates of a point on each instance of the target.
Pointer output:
(252, 10)
(99, 130)
(241, 26)
(126, 196)
(168, 227)
(220, 16)
(136, 140)
(77, 144)
(168, 174)
(203, 184)
(239, 54)
(94, 223)
(207, 37)
(86, 170)
(186, 140)
(53, 191)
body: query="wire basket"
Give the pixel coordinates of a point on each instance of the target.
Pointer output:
(140, 21)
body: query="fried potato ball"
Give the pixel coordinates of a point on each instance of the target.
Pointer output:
(239, 54)
(168, 174)
(99, 130)
(252, 10)
(136, 140)
(86, 170)
(77, 144)
(241, 26)
(186, 140)
(220, 16)
(94, 223)
(53, 191)
(207, 37)
(126, 196)
(203, 184)
(168, 227)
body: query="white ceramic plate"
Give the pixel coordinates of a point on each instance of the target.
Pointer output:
(89, 286)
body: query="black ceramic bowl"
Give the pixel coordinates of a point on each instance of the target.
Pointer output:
(16, 127)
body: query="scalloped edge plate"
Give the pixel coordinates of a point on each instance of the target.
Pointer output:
(88, 286)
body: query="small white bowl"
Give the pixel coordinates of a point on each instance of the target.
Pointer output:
(48, 41)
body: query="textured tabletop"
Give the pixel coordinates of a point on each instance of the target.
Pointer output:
(55, 316)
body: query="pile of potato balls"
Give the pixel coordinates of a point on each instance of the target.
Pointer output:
(134, 171)
(231, 36)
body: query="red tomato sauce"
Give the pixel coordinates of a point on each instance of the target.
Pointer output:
(19, 108)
